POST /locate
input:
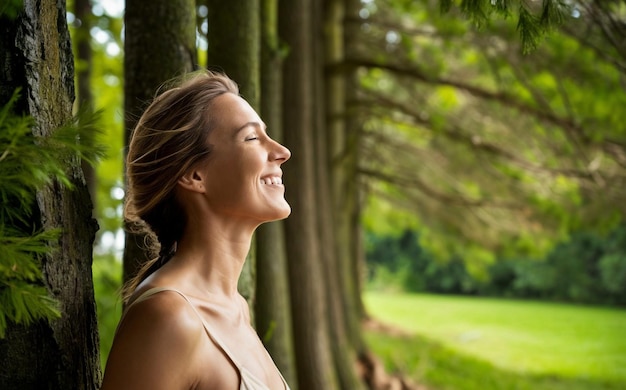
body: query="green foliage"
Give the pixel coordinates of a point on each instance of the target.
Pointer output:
(107, 89)
(533, 21)
(402, 263)
(613, 264)
(107, 279)
(529, 27)
(27, 164)
(23, 302)
(481, 145)
(613, 272)
(586, 268)
(11, 8)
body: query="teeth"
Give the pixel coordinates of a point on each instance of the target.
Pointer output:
(272, 180)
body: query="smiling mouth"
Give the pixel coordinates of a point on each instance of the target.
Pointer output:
(273, 180)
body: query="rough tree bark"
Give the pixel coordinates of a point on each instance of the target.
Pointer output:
(35, 54)
(272, 310)
(159, 44)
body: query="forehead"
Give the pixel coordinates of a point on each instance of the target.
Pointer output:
(231, 112)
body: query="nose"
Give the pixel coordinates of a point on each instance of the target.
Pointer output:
(279, 153)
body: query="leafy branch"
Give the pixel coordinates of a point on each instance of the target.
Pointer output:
(534, 20)
(27, 164)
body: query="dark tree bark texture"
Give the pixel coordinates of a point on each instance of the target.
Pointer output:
(36, 56)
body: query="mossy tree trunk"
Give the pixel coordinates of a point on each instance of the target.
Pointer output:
(159, 44)
(35, 55)
(314, 358)
(234, 48)
(330, 95)
(343, 145)
(351, 201)
(272, 304)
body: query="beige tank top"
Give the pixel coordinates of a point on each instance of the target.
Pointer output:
(248, 381)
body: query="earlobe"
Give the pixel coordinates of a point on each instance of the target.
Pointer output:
(192, 181)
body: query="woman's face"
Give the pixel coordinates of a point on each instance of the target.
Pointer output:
(243, 175)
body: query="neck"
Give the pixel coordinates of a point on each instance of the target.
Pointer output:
(212, 253)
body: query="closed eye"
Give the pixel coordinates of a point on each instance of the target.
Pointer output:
(252, 138)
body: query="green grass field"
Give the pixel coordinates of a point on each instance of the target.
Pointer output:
(514, 344)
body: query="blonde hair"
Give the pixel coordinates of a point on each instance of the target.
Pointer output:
(169, 139)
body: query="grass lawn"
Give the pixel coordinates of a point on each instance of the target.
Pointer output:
(556, 345)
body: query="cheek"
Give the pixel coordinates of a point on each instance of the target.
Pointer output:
(230, 179)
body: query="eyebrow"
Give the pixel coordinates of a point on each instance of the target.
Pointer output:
(258, 125)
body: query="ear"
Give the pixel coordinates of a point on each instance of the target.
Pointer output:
(193, 180)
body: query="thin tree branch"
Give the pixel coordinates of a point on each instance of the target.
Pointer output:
(474, 142)
(501, 97)
(440, 196)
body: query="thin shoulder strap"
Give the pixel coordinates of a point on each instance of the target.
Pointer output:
(209, 330)
(145, 295)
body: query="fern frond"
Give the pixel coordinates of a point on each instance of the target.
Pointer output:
(25, 303)
(27, 164)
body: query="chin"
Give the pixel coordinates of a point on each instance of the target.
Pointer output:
(280, 214)
(287, 213)
(283, 214)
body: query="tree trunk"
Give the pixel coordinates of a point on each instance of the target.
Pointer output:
(63, 354)
(234, 48)
(330, 97)
(351, 221)
(272, 305)
(343, 146)
(159, 44)
(309, 310)
(82, 41)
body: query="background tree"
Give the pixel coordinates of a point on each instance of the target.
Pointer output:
(314, 359)
(62, 353)
(272, 304)
(334, 191)
(83, 64)
(159, 45)
(237, 52)
(440, 139)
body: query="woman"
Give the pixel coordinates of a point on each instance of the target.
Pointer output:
(203, 174)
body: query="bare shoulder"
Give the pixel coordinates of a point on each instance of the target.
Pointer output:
(155, 345)
(165, 313)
